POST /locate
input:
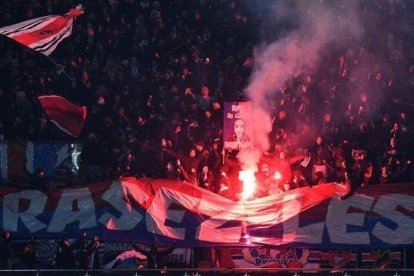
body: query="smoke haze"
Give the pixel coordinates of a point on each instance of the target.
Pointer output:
(313, 28)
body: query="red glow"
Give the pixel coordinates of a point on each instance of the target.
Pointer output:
(278, 175)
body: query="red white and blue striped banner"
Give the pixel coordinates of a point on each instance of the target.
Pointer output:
(168, 212)
(42, 34)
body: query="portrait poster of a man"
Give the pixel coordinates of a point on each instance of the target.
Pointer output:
(237, 131)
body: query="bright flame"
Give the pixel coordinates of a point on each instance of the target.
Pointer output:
(249, 183)
(278, 176)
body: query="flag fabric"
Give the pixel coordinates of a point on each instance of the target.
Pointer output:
(339, 259)
(12, 161)
(381, 258)
(66, 115)
(273, 257)
(3, 163)
(130, 254)
(43, 34)
(41, 155)
(20, 158)
(166, 212)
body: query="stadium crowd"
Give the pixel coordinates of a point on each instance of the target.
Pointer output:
(154, 76)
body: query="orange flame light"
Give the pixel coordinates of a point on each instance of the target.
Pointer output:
(249, 183)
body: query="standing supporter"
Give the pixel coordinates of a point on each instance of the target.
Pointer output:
(204, 101)
(178, 138)
(92, 254)
(28, 256)
(208, 127)
(5, 258)
(80, 249)
(206, 179)
(65, 257)
(321, 156)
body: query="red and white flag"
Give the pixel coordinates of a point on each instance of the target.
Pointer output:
(43, 34)
(66, 115)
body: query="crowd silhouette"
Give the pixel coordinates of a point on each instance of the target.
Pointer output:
(155, 74)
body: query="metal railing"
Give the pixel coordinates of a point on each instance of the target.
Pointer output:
(213, 271)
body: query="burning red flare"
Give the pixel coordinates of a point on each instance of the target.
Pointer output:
(249, 183)
(278, 175)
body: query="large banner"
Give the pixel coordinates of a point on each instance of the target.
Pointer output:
(56, 159)
(170, 212)
(312, 260)
(272, 257)
(237, 126)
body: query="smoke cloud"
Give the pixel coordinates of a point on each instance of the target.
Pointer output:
(309, 30)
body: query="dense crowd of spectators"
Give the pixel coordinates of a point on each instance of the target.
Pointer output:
(154, 76)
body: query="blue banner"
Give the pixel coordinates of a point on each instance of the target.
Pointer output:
(55, 158)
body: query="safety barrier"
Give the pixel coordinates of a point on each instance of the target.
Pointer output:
(212, 271)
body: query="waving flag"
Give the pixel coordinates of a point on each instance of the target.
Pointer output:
(43, 34)
(66, 115)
